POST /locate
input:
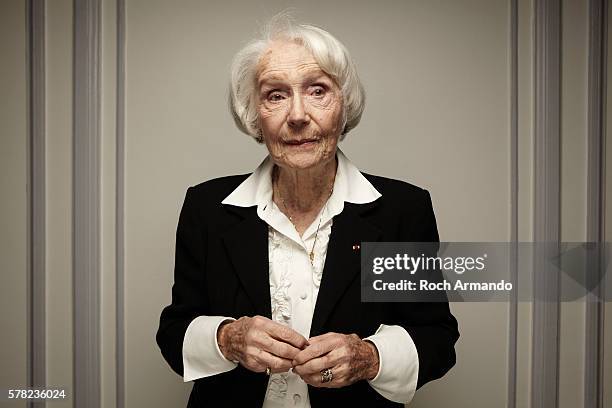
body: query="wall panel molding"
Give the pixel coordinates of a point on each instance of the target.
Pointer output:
(36, 242)
(547, 202)
(86, 203)
(120, 204)
(514, 205)
(597, 90)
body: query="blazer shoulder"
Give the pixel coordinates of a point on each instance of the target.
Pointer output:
(396, 190)
(213, 191)
(411, 203)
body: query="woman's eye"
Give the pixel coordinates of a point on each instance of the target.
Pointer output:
(275, 96)
(318, 91)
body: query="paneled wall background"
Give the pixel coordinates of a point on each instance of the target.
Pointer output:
(112, 108)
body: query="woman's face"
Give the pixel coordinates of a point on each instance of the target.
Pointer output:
(300, 107)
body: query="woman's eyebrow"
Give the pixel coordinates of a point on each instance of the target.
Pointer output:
(271, 78)
(316, 76)
(308, 79)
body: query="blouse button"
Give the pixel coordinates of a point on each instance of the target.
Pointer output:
(303, 296)
(296, 399)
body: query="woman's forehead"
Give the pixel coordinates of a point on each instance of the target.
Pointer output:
(285, 59)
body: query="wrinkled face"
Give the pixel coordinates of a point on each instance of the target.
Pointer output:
(300, 107)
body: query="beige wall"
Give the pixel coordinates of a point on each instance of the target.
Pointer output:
(445, 100)
(430, 104)
(13, 205)
(437, 77)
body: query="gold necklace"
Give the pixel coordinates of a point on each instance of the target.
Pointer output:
(311, 254)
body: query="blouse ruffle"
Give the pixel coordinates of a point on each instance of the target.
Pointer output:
(280, 255)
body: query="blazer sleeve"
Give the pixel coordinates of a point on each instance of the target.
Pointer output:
(189, 299)
(431, 325)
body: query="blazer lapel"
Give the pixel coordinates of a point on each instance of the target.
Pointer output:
(342, 262)
(247, 247)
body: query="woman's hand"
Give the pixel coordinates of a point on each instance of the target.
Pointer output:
(258, 343)
(349, 358)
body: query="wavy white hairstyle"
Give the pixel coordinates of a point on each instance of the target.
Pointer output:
(328, 52)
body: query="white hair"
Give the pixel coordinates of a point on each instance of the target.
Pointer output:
(329, 53)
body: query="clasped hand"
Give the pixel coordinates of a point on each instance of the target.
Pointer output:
(258, 343)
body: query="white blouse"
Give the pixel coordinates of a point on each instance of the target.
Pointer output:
(294, 286)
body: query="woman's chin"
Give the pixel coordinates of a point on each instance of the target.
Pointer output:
(303, 160)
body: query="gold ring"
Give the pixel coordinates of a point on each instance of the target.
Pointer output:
(268, 370)
(327, 375)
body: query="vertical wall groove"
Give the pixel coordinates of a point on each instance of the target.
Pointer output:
(513, 306)
(597, 80)
(36, 196)
(86, 204)
(547, 208)
(120, 206)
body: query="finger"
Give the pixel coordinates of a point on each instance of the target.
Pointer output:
(279, 332)
(312, 379)
(315, 365)
(321, 337)
(313, 351)
(340, 378)
(286, 334)
(263, 360)
(278, 348)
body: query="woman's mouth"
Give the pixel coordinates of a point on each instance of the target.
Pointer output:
(301, 142)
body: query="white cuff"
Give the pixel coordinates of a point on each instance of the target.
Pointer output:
(201, 354)
(398, 369)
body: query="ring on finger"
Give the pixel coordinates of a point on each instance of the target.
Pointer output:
(268, 370)
(327, 375)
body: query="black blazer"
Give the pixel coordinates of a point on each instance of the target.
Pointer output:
(221, 269)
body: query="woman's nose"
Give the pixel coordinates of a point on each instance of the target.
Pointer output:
(297, 117)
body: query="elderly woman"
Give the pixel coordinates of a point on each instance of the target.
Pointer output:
(266, 306)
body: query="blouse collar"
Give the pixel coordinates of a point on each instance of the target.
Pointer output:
(349, 186)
